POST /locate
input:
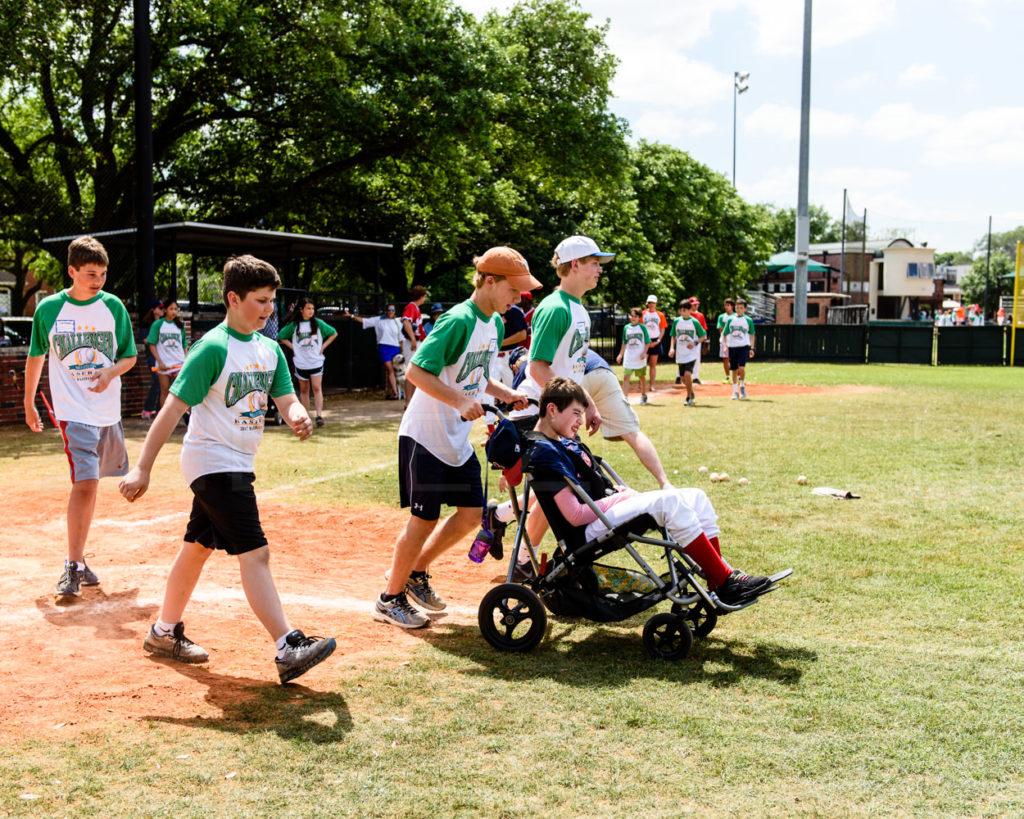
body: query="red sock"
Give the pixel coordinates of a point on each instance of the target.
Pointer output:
(703, 552)
(716, 544)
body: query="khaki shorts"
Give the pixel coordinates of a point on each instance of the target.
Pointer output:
(617, 416)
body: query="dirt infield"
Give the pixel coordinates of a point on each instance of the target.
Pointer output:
(75, 666)
(81, 665)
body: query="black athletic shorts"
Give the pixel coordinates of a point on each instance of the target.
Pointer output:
(224, 513)
(738, 357)
(426, 482)
(685, 367)
(305, 375)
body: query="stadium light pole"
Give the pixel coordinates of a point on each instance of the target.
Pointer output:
(739, 85)
(144, 255)
(803, 220)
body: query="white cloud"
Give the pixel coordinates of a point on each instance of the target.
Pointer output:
(917, 73)
(780, 23)
(991, 136)
(901, 121)
(669, 127)
(662, 75)
(783, 121)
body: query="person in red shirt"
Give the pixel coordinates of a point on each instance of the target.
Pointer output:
(697, 314)
(412, 331)
(654, 320)
(526, 305)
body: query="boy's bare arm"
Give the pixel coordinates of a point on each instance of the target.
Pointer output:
(294, 415)
(134, 485)
(33, 372)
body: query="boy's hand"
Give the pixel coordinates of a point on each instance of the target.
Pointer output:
(102, 379)
(300, 421)
(134, 485)
(35, 423)
(519, 400)
(470, 409)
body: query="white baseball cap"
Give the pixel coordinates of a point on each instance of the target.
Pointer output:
(652, 298)
(576, 247)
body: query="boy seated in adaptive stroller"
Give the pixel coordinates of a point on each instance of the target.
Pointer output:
(592, 515)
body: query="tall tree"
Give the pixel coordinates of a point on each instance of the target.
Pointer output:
(706, 240)
(823, 228)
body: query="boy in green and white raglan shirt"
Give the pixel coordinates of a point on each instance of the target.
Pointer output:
(561, 324)
(738, 330)
(87, 336)
(227, 379)
(436, 461)
(723, 348)
(685, 339)
(633, 354)
(168, 344)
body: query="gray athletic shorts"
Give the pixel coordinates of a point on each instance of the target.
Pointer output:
(94, 452)
(617, 416)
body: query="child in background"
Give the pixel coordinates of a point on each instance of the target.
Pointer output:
(739, 331)
(686, 336)
(168, 344)
(227, 379)
(152, 403)
(633, 353)
(307, 337)
(87, 336)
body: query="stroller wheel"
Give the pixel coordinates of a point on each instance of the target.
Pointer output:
(512, 618)
(667, 637)
(699, 618)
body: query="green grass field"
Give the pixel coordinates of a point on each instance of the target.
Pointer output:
(884, 678)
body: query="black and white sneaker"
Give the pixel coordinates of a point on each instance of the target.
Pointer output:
(302, 653)
(741, 587)
(496, 528)
(419, 590)
(70, 584)
(524, 573)
(174, 645)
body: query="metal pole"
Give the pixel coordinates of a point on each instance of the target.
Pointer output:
(988, 258)
(803, 219)
(735, 95)
(144, 257)
(842, 253)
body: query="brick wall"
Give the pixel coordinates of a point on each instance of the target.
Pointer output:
(134, 386)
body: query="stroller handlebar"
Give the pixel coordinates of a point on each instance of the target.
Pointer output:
(500, 408)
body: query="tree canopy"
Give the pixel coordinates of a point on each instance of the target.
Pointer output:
(403, 121)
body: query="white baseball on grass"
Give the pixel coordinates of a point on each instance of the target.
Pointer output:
(802, 480)
(714, 477)
(703, 470)
(742, 481)
(675, 471)
(723, 477)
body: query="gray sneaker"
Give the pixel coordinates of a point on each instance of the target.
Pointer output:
(89, 577)
(419, 590)
(398, 612)
(743, 391)
(70, 584)
(174, 645)
(302, 653)
(689, 402)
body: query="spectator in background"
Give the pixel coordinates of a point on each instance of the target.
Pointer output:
(428, 323)
(656, 324)
(515, 337)
(697, 314)
(389, 338)
(412, 330)
(152, 315)
(526, 305)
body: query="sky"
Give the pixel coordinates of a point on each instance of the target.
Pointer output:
(917, 106)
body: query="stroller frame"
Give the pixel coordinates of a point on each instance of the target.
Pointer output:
(513, 616)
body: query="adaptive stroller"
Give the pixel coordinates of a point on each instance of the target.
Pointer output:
(573, 582)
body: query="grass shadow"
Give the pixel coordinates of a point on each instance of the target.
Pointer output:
(114, 616)
(248, 705)
(612, 655)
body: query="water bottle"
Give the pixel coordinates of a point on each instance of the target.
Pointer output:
(481, 546)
